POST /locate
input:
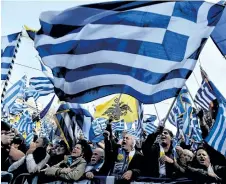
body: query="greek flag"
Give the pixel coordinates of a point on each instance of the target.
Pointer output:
(17, 108)
(196, 134)
(204, 96)
(118, 126)
(30, 92)
(25, 123)
(8, 46)
(185, 106)
(99, 125)
(17, 90)
(173, 116)
(150, 128)
(217, 135)
(42, 85)
(146, 49)
(29, 138)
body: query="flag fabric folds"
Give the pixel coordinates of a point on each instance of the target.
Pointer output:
(46, 109)
(15, 91)
(30, 92)
(8, 47)
(121, 107)
(217, 135)
(218, 35)
(31, 32)
(204, 95)
(146, 49)
(17, 108)
(25, 123)
(150, 128)
(42, 85)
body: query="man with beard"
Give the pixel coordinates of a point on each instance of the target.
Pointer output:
(158, 156)
(123, 160)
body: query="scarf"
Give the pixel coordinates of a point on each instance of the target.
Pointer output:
(123, 161)
(95, 167)
(162, 166)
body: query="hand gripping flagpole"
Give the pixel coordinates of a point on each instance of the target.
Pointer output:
(11, 66)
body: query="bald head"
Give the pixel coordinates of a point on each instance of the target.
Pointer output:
(98, 156)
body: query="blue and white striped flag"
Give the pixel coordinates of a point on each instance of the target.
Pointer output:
(146, 49)
(17, 108)
(150, 128)
(8, 46)
(118, 126)
(42, 85)
(196, 134)
(204, 96)
(25, 123)
(29, 92)
(173, 115)
(217, 135)
(29, 138)
(99, 125)
(17, 90)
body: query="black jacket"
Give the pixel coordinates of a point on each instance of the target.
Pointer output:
(151, 153)
(111, 152)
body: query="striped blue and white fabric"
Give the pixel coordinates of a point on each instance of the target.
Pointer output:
(42, 85)
(25, 123)
(8, 46)
(15, 91)
(29, 138)
(204, 96)
(150, 128)
(196, 130)
(146, 49)
(118, 126)
(174, 113)
(30, 92)
(17, 108)
(45, 71)
(217, 135)
(99, 125)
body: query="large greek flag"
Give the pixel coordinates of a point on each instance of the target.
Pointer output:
(42, 85)
(217, 135)
(204, 96)
(13, 93)
(144, 49)
(8, 46)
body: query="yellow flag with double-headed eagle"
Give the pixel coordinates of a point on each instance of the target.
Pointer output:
(121, 107)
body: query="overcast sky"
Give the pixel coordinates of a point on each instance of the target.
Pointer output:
(15, 14)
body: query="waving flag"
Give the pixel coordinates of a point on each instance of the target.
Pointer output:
(204, 96)
(42, 85)
(99, 125)
(218, 35)
(29, 92)
(121, 107)
(150, 128)
(217, 135)
(25, 123)
(146, 49)
(13, 93)
(8, 47)
(46, 109)
(17, 108)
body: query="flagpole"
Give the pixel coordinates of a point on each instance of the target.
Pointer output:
(157, 112)
(11, 67)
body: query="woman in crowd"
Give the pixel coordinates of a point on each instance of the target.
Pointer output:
(73, 167)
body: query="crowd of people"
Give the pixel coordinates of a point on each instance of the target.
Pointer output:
(127, 158)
